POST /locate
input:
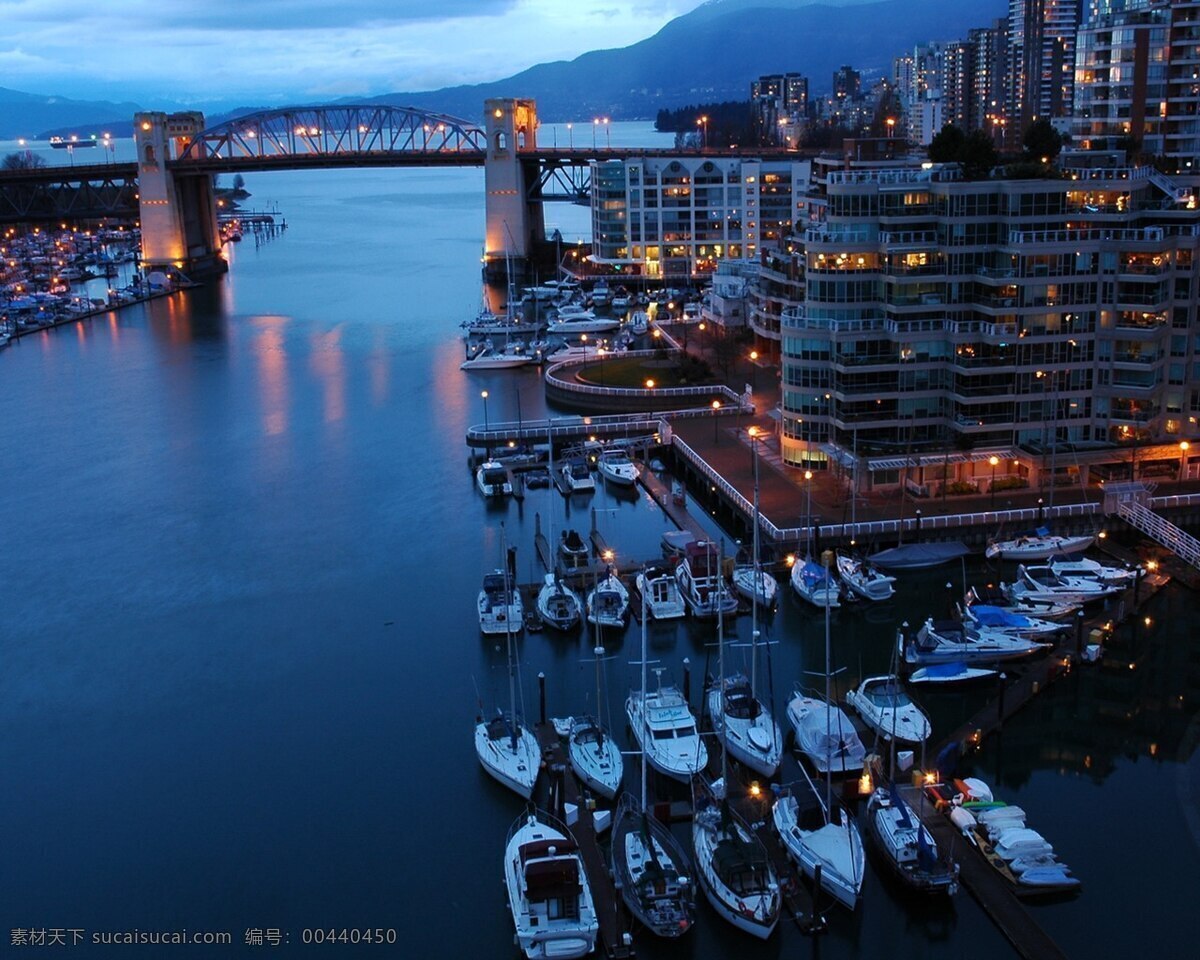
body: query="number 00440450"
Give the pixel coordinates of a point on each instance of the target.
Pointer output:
(349, 935)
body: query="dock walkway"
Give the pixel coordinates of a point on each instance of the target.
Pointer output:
(615, 922)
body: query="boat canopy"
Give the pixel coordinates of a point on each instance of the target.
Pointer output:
(916, 555)
(990, 616)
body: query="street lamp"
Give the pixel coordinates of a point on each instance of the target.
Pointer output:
(702, 123)
(484, 394)
(649, 384)
(607, 135)
(994, 461)
(808, 475)
(1183, 449)
(754, 371)
(716, 405)
(571, 134)
(595, 126)
(891, 125)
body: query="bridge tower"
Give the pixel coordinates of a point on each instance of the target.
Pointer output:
(178, 213)
(513, 223)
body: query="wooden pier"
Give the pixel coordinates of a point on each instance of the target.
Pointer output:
(615, 923)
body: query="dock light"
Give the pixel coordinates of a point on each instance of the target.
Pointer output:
(807, 474)
(671, 305)
(790, 559)
(864, 785)
(650, 384)
(512, 443)
(1151, 565)
(754, 355)
(1184, 445)
(1147, 621)
(753, 431)
(931, 777)
(1103, 534)
(755, 790)
(716, 404)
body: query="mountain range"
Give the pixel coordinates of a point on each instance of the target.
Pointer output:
(711, 53)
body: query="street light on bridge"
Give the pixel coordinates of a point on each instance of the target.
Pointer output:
(716, 405)
(595, 127)
(571, 134)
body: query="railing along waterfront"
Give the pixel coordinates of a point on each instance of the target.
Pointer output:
(644, 393)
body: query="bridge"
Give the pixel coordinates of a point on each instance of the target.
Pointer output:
(170, 186)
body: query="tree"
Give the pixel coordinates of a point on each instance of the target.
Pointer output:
(977, 155)
(239, 182)
(1042, 140)
(22, 160)
(946, 144)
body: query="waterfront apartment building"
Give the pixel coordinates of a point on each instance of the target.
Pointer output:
(680, 217)
(1137, 79)
(1016, 317)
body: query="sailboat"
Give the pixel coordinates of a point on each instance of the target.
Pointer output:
(595, 755)
(732, 864)
(608, 602)
(813, 837)
(507, 749)
(744, 721)
(557, 604)
(648, 865)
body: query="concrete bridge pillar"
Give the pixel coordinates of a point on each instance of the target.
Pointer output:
(178, 212)
(513, 223)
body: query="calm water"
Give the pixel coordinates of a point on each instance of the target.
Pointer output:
(240, 655)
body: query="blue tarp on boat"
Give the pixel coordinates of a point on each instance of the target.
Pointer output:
(990, 616)
(917, 556)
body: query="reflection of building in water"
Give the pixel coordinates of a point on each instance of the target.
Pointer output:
(1136, 705)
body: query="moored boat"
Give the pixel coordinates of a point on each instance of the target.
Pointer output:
(577, 476)
(907, 847)
(700, 581)
(948, 641)
(1042, 583)
(608, 602)
(493, 480)
(547, 888)
(888, 710)
(814, 584)
(1040, 545)
(616, 467)
(500, 606)
(666, 731)
(658, 587)
(861, 578)
(825, 735)
(557, 604)
(745, 724)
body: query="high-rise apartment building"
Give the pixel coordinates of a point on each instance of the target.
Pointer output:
(847, 83)
(1023, 316)
(780, 105)
(1041, 59)
(989, 78)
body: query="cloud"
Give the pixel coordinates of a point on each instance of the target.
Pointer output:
(234, 49)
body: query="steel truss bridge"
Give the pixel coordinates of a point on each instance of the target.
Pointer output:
(297, 138)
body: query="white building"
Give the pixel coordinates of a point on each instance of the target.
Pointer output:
(680, 217)
(727, 302)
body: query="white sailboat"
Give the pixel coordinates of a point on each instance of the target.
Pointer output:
(1040, 545)
(732, 865)
(557, 604)
(547, 889)
(506, 748)
(608, 602)
(595, 756)
(814, 584)
(649, 867)
(743, 721)
(863, 579)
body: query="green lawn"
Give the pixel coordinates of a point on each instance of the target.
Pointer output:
(635, 371)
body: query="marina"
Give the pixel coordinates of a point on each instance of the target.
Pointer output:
(309, 404)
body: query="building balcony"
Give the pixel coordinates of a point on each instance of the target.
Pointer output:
(908, 239)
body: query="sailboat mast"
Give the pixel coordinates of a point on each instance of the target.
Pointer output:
(512, 682)
(756, 570)
(721, 670)
(828, 709)
(643, 736)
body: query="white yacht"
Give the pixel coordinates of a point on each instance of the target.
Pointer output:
(984, 615)
(489, 358)
(732, 864)
(547, 888)
(578, 476)
(1037, 546)
(814, 584)
(700, 581)
(1083, 567)
(661, 592)
(608, 602)
(756, 585)
(948, 641)
(888, 710)
(488, 324)
(750, 733)
(1042, 583)
(861, 578)
(666, 731)
(500, 606)
(616, 467)
(601, 295)
(825, 734)
(492, 479)
(557, 604)
(575, 324)
(813, 837)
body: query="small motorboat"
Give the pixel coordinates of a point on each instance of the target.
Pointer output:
(557, 604)
(666, 731)
(601, 294)
(889, 711)
(814, 584)
(616, 467)
(547, 887)
(639, 323)
(984, 615)
(493, 480)
(863, 579)
(573, 324)
(1083, 567)
(573, 551)
(948, 641)
(500, 607)
(907, 847)
(701, 583)
(1025, 606)
(578, 477)
(661, 591)
(608, 602)
(1042, 583)
(825, 735)
(1040, 545)
(950, 673)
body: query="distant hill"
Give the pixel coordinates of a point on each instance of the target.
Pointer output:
(713, 52)
(31, 114)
